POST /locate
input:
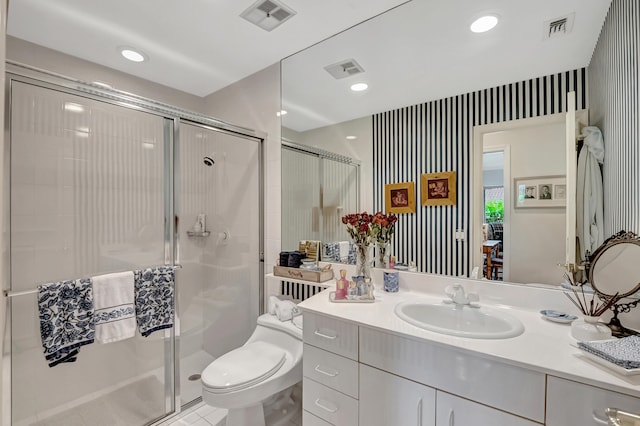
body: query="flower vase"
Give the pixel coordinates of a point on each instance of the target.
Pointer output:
(589, 329)
(382, 260)
(363, 260)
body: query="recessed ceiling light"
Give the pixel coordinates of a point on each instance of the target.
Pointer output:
(359, 87)
(350, 138)
(72, 107)
(484, 23)
(132, 55)
(281, 113)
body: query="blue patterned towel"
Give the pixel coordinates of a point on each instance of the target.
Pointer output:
(66, 319)
(623, 352)
(154, 299)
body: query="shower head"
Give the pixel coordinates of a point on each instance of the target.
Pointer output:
(208, 161)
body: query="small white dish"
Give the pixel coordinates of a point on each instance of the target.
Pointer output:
(401, 267)
(557, 316)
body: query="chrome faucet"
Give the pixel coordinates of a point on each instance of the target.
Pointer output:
(458, 296)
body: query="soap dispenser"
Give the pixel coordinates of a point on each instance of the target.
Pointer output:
(342, 285)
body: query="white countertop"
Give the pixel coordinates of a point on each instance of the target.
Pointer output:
(544, 346)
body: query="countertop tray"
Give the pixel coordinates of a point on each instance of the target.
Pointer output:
(332, 298)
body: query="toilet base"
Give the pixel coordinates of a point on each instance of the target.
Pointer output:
(277, 410)
(253, 415)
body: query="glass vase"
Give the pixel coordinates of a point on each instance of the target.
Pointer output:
(382, 260)
(363, 260)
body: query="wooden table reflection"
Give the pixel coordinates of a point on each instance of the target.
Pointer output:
(489, 249)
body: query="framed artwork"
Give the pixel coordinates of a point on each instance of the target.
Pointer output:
(540, 192)
(400, 197)
(438, 189)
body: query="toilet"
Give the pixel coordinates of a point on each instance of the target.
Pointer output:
(268, 363)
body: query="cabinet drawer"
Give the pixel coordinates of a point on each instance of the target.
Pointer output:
(309, 419)
(454, 411)
(576, 404)
(328, 404)
(483, 380)
(339, 337)
(331, 370)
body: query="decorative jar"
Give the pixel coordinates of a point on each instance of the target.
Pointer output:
(589, 328)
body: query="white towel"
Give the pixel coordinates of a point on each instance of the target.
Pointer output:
(273, 301)
(344, 250)
(286, 310)
(114, 310)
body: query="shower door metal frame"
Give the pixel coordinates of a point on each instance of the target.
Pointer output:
(172, 116)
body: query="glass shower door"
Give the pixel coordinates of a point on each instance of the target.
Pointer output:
(217, 180)
(87, 197)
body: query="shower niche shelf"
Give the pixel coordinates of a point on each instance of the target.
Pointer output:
(198, 233)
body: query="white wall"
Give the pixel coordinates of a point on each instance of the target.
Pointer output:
(4, 221)
(536, 236)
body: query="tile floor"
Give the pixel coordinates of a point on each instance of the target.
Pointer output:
(205, 415)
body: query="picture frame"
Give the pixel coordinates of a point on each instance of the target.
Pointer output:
(438, 189)
(540, 191)
(400, 197)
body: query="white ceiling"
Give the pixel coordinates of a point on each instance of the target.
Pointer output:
(197, 46)
(424, 50)
(417, 52)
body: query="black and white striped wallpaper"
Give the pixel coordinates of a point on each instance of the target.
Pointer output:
(437, 136)
(615, 108)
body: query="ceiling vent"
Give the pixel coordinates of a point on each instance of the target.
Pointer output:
(558, 27)
(267, 14)
(345, 68)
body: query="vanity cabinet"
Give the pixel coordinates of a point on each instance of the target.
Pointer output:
(360, 375)
(454, 411)
(330, 371)
(386, 399)
(576, 404)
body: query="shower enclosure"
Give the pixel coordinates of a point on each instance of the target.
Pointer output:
(318, 188)
(102, 182)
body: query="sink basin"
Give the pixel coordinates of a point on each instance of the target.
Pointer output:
(460, 320)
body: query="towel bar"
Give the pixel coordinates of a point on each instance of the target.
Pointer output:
(7, 293)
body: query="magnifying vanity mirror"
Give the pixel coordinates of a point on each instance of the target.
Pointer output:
(614, 272)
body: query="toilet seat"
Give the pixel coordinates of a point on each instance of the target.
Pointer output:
(243, 367)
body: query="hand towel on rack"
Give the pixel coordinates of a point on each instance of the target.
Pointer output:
(113, 303)
(66, 319)
(154, 300)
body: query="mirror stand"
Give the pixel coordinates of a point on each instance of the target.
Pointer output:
(617, 329)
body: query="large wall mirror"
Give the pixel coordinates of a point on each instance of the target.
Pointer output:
(432, 83)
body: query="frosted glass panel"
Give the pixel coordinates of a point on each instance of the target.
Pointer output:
(87, 197)
(220, 275)
(316, 193)
(301, 213)
(340, 197)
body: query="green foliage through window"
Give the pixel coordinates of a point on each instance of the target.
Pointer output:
(494, 211)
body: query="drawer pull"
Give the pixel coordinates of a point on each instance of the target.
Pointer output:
(617, 417)
(451, 420)
(324, 405)
(420, 412)
(323, 335)
(600, 420)
(326, 373)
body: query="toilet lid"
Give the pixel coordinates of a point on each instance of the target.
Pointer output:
(243, 367)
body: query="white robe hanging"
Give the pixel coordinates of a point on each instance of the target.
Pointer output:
(589, 202)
